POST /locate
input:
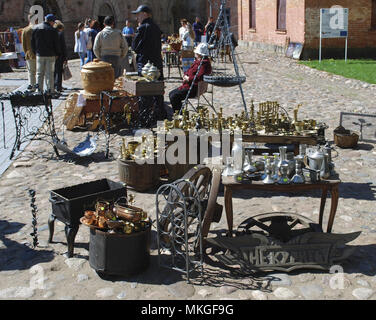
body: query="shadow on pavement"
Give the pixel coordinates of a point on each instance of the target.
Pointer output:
(16, 256)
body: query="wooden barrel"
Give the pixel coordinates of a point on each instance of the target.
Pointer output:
(139, 177)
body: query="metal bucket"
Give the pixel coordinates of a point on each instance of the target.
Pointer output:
(118, 254)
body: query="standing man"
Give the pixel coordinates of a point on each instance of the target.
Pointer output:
(147, 45)
(198, 28)
(209, 28)
(45, 44)
(29, 54)
(110, 46)
(128, 33)
(62, 59)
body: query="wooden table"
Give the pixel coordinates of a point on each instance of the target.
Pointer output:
(285, 140)
(325, 186)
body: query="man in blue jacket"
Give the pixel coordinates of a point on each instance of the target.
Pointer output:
(45, 45)
(148, 47)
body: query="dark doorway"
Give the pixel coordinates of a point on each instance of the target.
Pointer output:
(104, 11)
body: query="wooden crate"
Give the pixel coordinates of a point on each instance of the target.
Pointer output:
(94, 106)
(144, 88)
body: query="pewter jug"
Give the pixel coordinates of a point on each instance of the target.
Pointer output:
(153, 73)
(318, 161)
(145, 69)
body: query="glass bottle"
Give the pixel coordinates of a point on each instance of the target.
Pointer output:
(238, 156)
(282, 158)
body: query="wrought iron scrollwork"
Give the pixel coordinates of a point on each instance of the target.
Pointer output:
(27, 108)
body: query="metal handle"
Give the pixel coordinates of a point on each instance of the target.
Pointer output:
(54, 200)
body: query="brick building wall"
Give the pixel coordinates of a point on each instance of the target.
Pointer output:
(303, 25)
(361, 38)
(265, 29)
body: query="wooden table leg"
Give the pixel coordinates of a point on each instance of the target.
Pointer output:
(322, 204)
(228, 207)
(333, 208)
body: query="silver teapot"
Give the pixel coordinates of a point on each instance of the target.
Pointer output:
(153, 73)
(318, 160)
(146, 69)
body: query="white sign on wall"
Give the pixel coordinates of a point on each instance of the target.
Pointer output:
(334, 22)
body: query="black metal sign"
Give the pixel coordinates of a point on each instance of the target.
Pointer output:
(256, 252)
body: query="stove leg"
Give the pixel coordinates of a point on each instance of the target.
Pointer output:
(51, 226)
(70, 232)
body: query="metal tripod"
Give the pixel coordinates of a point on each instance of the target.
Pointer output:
(224, 40)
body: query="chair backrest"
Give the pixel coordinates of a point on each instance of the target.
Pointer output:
(202, 88)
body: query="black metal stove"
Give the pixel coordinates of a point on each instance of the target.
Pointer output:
(69, 204)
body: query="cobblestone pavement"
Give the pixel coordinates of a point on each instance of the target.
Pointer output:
(45, 273)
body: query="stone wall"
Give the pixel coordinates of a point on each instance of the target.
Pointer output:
(167, 13)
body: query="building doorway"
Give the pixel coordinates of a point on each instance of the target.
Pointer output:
(104, 11)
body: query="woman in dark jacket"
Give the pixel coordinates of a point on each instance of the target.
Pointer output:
(61, 59)
(179, 94)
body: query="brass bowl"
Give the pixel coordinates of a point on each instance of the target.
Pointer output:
(129, 213)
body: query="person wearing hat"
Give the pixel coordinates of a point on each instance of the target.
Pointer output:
(148, 47)
(178, 95)
(45, 45)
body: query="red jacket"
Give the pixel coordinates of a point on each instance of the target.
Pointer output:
(205, 69)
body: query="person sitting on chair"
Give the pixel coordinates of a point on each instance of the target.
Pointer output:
(178, 95)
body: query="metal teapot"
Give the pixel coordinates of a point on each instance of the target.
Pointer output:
(318, 160)
(153, 73)
(146, 69)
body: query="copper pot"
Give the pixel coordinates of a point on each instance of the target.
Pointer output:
(97, 76)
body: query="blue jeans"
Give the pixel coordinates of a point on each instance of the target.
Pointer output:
(89, 56)
(82, 57)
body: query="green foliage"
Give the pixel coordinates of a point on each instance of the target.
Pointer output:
(364, 70)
